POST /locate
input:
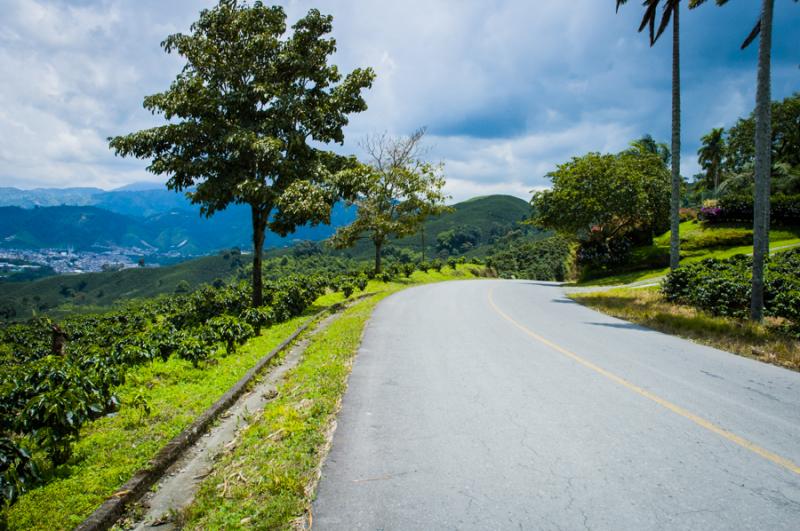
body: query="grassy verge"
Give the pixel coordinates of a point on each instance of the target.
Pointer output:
(267, 481)
(112, 448)
(647, 307)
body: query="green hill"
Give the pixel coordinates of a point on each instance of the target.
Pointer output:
(491, 216)
(90, 291)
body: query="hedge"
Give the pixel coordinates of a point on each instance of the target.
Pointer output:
(784, 209)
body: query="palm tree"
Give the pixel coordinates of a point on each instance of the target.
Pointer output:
(763, 162)
(763, 149)
(647, 144)
(710, 157)
(671, 12)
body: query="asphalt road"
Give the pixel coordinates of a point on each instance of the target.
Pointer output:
(504, 405)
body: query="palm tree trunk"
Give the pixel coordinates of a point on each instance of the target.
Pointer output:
(716, 180)
(763, 163)
(675, 238)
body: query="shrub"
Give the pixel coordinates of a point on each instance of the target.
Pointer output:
(228, 330)
(347, 289)
(258, 317)
(604, 254)
(192, 349)
(722, 287)
(784, 209)
(18, 472)
(458, 240)
(687, 214)
(538, 260)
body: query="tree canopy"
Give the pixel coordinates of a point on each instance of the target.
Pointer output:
(394, 192)
(242, 115)
(710, 157)
(785, 120)
(730, 155)
(605, 195)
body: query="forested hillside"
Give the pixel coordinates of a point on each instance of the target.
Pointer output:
(468, 229)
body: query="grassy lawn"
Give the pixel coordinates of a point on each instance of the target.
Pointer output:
(268, 480)
(698, 242)
(112, 448)
(647, 307)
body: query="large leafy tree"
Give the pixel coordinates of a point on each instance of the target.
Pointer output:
(242, 115)
(710, 157)
(671, 11)
(604, 195)
(394, 192)
(785, 128)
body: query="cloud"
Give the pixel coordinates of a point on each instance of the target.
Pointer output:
(508, 89)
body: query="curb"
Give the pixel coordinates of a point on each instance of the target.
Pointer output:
(114, 507)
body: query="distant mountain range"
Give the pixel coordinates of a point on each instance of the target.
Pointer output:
(162, 222)
(137, 199)
(85, 226)
(155, 220)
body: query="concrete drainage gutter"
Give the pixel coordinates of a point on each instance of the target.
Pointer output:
(114, 507)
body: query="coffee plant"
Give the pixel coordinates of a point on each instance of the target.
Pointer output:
(54, 378)
(18, 472)
(722, 287)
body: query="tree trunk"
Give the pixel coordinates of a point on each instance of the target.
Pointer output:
(378, 247)
(423, 243)
(763, 163)
(259, 226)
(675, 237)
(716, 181)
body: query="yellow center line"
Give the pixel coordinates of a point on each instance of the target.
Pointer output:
(700, 421)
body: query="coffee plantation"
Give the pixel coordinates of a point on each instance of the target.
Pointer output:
(722, 287)
(54, 378)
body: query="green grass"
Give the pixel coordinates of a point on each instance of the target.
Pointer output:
(647, 307)
(698, 242)
(267, 481)
(111, 449)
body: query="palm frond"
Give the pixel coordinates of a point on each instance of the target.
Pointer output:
(753, 34)
(649, 18)
(664, 22)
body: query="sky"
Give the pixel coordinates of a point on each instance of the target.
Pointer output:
(507, 89)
